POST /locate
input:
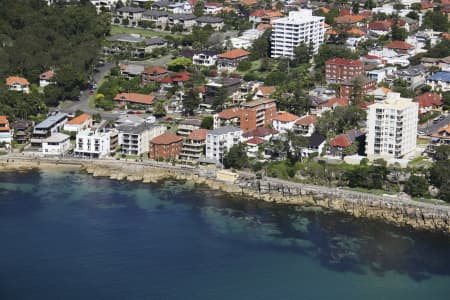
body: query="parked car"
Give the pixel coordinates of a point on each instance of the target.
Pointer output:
(91, 92)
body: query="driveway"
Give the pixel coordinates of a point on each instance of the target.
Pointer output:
(431, 127)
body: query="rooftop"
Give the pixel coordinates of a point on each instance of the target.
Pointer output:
(80, 119)
(51, 120)
(166, 138)
(233, 54)
(198, 135)
(11, 80)
(223, 130)
(285, 117)
(135, 98)
(306, 120)
(57, 138)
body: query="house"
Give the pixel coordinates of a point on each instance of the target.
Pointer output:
(379, 28)
(129, 15)
(331, 104)
(340, 70)
(441, 136)
(284, 121)
(6, 133)
(257, 113)
(165, 146)
(153, 74)
(50, 126)
(305, 125)
(346, 88)
(22, 131)
(227, 117)
(18, 84)
(442, 63)
(264, 133)
(215, 22)
(132, 44)
(194, 146)
(134, 139)
(380, 75)
(220, 140)
(229, 60)
(428, 102)
(96, 142)
(264, 16)
(134, 100)
(47, 78)
(379, 94)
(186, 21)
(79, 123)
(253, 145)
(401, 47)
(130, 71)
(158, 18)
(264, 92)
(217, 86)
(341, 142)
(245, 40)
(154, 43)
(316, 144)
(56, 144)
(212, 8)
(186, 126)
(205, 58)
(182, 7)
(415, 76)
(350, 20)
(439, 81)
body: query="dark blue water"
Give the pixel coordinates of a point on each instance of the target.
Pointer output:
(66, 235)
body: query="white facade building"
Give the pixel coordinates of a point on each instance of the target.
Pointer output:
(299, 26)
(135, 140)
(94, 143)
(221, 140)
(205, 58)
(56, 144)
(391, 127)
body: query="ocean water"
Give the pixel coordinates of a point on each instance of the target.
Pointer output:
(67, 235)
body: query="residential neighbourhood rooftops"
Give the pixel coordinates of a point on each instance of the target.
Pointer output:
(5, 124)
(224, 130)
(260, 132)
(234, 54)
(135, 97)
(316, 139)
(340, 141)
(131, 9)
(166, 138)
(440, 76)
(11, 80)
(51, 120)
(400, 45)
(230, 113)
(209, 19)
(57, 138)
(285, 117)
(306, 120)
(429, 99)
(198, 135)
(80, 119)
(345, 61)
(255, 141)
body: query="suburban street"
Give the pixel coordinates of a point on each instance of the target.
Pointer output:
(430, 127)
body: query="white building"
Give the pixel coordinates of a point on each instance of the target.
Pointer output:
(284, 121)
(78, 123)
(439, 81)
(135, 140)
(56, 144)
(391, 127)
(299, 26)
(205, 58)
(221, 140)
(95, 143)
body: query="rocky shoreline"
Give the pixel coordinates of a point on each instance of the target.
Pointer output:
(399, 212)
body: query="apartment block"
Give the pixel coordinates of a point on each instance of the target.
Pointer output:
(300, 26)
(194, 146)
(220, 140)
(258, 113)
(391, 127)
(341, 70)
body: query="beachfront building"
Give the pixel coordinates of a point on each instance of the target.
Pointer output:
(53, 124)
(78, 123)
(391, 127)
(18, 84)
(220, 140)
(165, 146)
(6, 133)
(300, 26)
(135, 139)
(96, 142)
(56, 144)
(257, 113)
(194, 146)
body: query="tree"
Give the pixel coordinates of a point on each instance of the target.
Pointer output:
(220, 98)
(416, 186)
(440, 177)
(244, 65)
(179, 63)
(207, 122)
(302, 54)
(436, 20)
(191, 101)
(198, 9)
(236, 158)
(446, 100)
(159, 110)
(355, 7)
(261, 46)
(397, 33)
(369, 4)
(442, 152)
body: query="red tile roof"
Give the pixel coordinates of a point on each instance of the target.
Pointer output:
(260, 132)
(11, 80)
(80, 119)
(399, 45)
(198, 135)
(263, 27)
(266, 13)
(181, 77)
(155, 71)
(216, 4)
(234, 54)
(4, 121)
(230, 113)
(47, 75)
(429, 99)
(384, 25)
(344, 62)
(166, 138)
(285, 117)
(267, 90)
(349, 19)
(255, 141)
(135, 98)
(340, 141)
(306, 120)
(335, 101)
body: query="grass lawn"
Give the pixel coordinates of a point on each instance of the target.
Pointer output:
(115, 29)
(423, 141)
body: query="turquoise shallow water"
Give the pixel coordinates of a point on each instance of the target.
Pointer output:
(67, 235)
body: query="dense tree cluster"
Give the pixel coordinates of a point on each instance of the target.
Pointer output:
(35, 37)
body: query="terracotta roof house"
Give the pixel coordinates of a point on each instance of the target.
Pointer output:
(18, 84)
(284, 121)
(230, 116)
(165, 146)
(349, 19)
(230, 59)
(81, 122)
(124, 99)
(153, 74)
(6, 134)
(46, 78)
(342, 141)
(400, 47)
(305, 125)
(261, 132)
(428, 102)
(264, 91)
(442, 135)
(333, 103)
(264, 16)
(253, 146)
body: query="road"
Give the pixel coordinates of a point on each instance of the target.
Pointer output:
(431, 127)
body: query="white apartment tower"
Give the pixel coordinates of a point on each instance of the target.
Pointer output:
(391, 127)
(299, 26)
(220, 140)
